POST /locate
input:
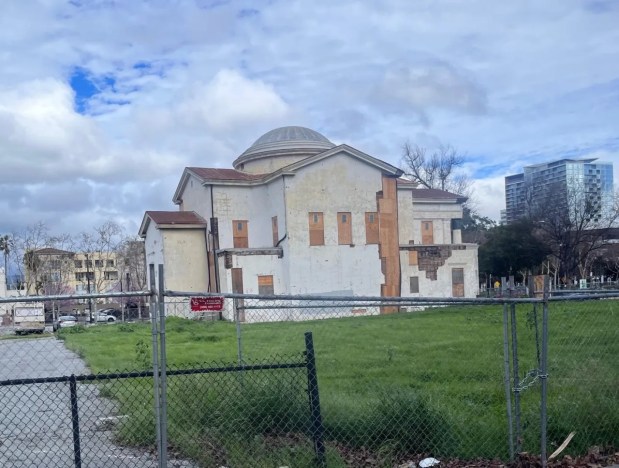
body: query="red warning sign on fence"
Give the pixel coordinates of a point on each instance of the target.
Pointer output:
(206, 304)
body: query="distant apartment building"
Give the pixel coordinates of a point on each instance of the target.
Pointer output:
(561, 182)
(55, 271)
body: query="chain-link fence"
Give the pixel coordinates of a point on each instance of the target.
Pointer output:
(400, 379)
(404, 378)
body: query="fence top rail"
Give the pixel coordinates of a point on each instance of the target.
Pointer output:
(377, 299)
(584, 297)
(63, 297)
(141, 374)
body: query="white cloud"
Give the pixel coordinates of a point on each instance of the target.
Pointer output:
(425, 86)
(195, 83)
(230, 100)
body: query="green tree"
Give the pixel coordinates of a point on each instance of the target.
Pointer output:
(475, 227)
(512, 249)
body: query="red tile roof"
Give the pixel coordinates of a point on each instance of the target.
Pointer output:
(211, 173)
(176, 217)
(434, 194)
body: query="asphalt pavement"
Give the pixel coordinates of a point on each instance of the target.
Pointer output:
(35, 420)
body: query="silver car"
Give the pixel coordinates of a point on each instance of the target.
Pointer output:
(64, 321)
(103, 317)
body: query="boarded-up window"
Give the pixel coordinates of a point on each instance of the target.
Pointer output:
(237, 280)
(414, 284)
(371, 228)
(413, 257)
(265, 285)
(457, 282)
(239, 234)
(427, 232)
(344, 228)
(237, 288)
(316, 228)
(275, 230)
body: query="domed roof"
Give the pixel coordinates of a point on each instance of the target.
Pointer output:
(291, 134)
(286, 141)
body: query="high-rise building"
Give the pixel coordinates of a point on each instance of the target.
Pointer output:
(563, 183)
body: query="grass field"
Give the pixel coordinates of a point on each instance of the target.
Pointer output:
(423, 382)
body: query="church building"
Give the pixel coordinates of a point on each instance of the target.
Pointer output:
(299, 215)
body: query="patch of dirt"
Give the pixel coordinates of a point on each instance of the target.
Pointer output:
(364, 458)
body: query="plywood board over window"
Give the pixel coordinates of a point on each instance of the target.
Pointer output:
(344, 228)
(265, 285)
(275, 230)
(237, 288)
(427, 232)
(240, 238)
(316, 228)
(457, 282)
(371, 228)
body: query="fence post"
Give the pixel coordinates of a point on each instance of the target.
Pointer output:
(239, 338)
(516, 377)
(544, 379)
(77, 452)
(163, 382)
(153, 316)
(314, 401)
(508, 393)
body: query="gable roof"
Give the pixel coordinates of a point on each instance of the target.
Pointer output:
(429, 194)
(216, 176)
(210, 173)
(172, 220)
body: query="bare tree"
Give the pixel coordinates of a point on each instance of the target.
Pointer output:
(101, 248)
(440, 169)
(574, 223)
(132, 263)
(23, 254)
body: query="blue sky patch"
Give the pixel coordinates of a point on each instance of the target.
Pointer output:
(86, 86)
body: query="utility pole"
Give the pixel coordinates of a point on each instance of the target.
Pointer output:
(88, 281)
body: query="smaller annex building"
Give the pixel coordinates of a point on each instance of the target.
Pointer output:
(299, 215)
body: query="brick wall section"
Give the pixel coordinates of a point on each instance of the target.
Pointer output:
(430, 258)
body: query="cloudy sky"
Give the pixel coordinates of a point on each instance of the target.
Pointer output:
(104, 102)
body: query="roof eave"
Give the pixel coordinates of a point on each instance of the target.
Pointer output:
(181, 226)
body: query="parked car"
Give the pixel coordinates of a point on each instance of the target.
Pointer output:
(112, 311)
(64, 321)
(103, 317)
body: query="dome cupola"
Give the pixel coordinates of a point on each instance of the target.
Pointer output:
(281, 147)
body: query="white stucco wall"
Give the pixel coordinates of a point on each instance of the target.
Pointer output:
(244, 203)
(442, 286)
(185, 260)
(153, 250)
(254, 266)
(440, 214)
(406, 232)
(268, 165)
(197, 198)
(337, 184)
